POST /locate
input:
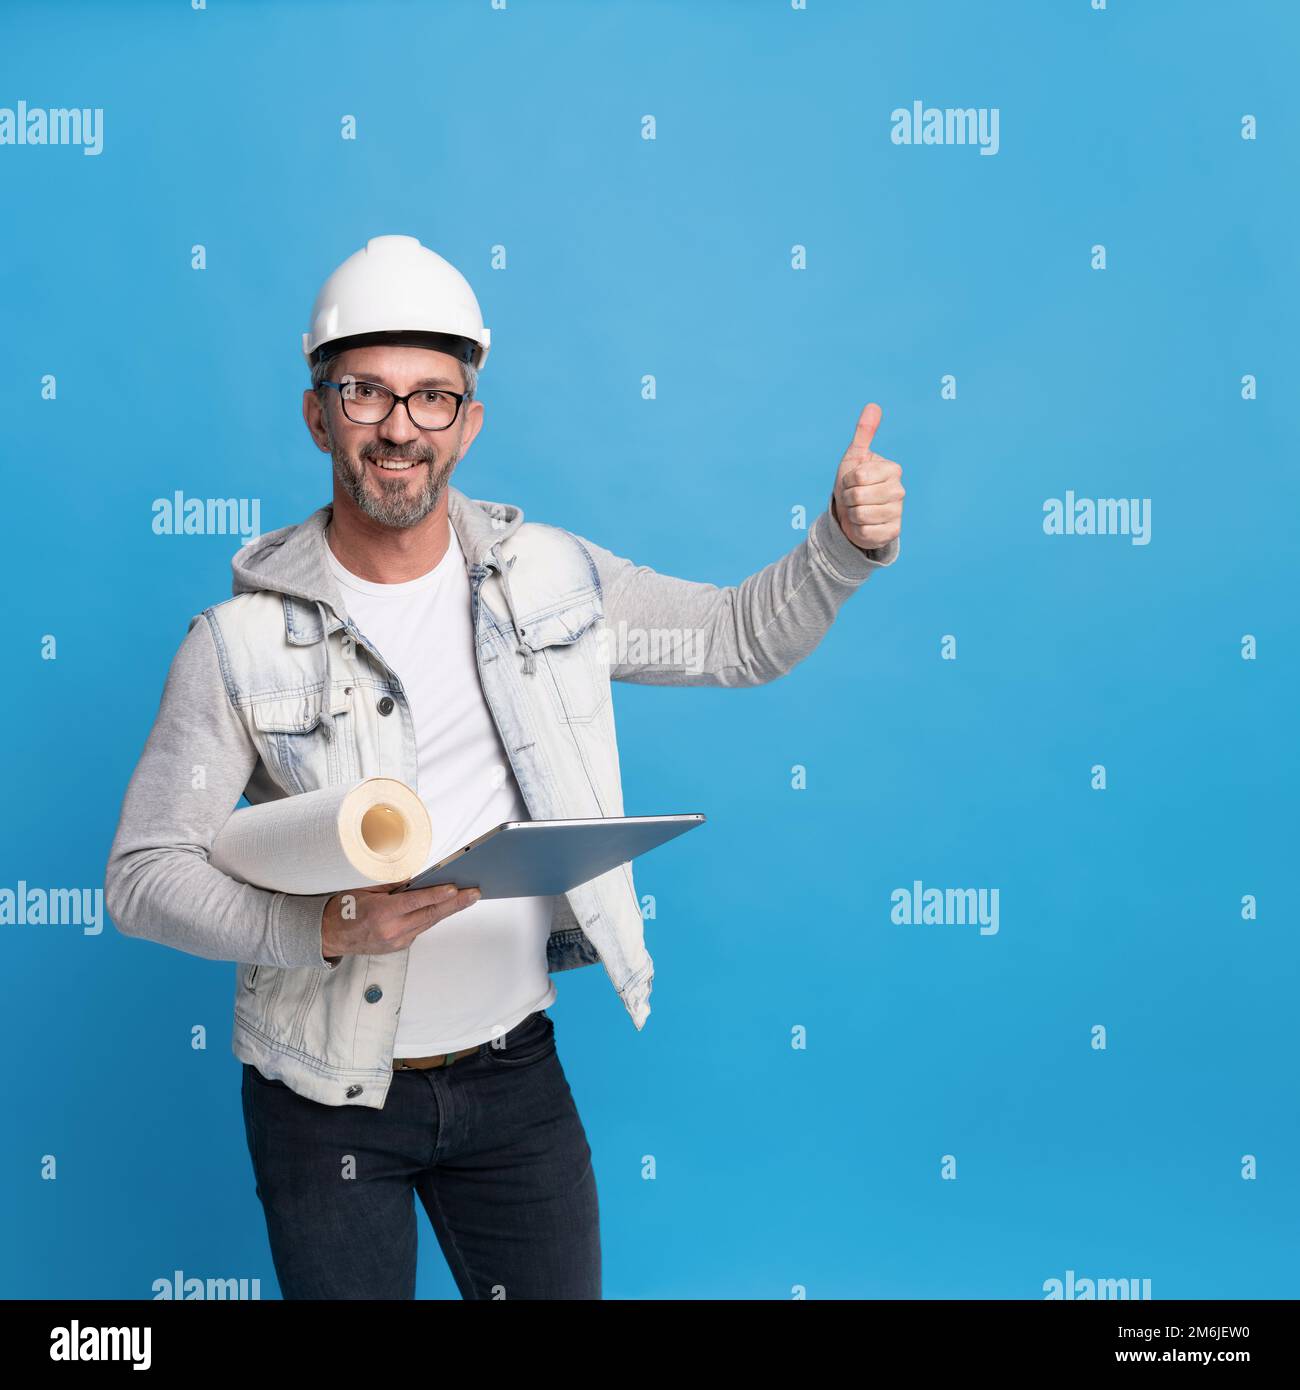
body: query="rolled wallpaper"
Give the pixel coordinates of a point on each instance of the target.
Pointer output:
(326, 841)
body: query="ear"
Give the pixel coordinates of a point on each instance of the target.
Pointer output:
(313, 413)
(473, 412)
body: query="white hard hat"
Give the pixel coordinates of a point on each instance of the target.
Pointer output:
(396, 291)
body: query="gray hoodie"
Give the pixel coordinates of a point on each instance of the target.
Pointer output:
(264, 699)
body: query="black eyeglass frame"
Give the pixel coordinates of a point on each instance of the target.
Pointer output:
(458, 396)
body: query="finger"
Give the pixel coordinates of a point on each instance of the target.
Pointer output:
(465, 897)
(873, 537)
(877, 515)
(866, 428)
(888, 491)
(448, 898)
(874, 469)
(421, 899)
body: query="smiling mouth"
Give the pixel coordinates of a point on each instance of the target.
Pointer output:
(396, 465)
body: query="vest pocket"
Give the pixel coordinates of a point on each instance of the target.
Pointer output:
(255, 999)
(565, 645)
(296, 713)
(295, 741)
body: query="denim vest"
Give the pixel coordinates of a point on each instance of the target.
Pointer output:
(322, 709)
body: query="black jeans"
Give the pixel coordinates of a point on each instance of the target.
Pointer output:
(492, 1144)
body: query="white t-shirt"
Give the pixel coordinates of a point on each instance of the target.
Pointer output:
(483, 969)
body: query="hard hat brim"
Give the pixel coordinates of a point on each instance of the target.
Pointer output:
(463, 349)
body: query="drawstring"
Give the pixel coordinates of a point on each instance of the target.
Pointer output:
(327, 698)
(524, 650)
(327, 695)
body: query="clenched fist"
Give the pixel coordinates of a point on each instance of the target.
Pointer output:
(868, 497)
(377, 921)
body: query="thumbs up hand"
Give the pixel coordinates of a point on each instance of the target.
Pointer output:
(867, 500)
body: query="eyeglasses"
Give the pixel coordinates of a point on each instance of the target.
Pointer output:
(368, 403)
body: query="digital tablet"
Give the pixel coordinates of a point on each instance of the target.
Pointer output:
(540, 858)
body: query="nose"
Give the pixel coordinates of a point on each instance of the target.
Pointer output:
(398, 428)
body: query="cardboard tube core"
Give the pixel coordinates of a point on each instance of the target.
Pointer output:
(383, 828)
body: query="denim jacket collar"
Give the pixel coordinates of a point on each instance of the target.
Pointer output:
(291, 562)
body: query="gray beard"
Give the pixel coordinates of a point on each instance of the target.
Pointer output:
(394, 505)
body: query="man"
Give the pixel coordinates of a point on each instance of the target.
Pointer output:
(399, 1042)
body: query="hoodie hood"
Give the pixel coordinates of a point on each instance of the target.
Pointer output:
(291, 562)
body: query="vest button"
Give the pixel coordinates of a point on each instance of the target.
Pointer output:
(355, 1090)
(385, 705)
(374, 994)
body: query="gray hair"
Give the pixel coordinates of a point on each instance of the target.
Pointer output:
(321, 370)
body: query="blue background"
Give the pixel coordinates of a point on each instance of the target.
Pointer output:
(776, 1167)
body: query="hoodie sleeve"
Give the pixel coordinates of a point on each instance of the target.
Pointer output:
(194, 768)
(661, 630)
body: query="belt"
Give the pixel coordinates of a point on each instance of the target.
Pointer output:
(443, 1059)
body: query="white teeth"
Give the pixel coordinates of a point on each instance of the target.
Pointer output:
(391, 466)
